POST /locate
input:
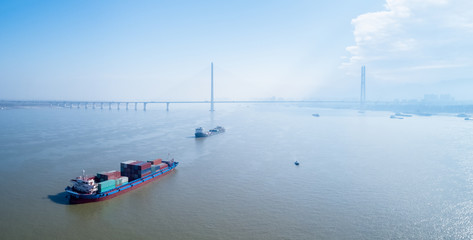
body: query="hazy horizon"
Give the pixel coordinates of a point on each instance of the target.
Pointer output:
(157, 51)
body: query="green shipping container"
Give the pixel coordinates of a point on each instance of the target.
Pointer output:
(105, 189)
(106, 185)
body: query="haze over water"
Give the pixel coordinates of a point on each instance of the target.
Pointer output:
(362, 176)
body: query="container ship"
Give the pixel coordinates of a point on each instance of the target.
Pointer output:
(106, 185)
(200, 132)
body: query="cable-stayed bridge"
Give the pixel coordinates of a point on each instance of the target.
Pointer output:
(143, 104)
(130, 105)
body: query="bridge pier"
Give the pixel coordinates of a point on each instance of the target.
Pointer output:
(86, 105)
(109, 106)
(144, 106)
(167, 107)
(93, 105)
(78, 105)
(136, 104)
(127, 106)
(101, 105)
(118, 106)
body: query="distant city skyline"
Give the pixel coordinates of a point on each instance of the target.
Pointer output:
(152, 51)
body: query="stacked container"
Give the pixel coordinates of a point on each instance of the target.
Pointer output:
(162, 165)
(120, 181)
(135, 169)
(126, 168)
(156, 161)
(155, 168)
(106, 185)
(104, 176)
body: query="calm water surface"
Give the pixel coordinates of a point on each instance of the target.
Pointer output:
(362, 176)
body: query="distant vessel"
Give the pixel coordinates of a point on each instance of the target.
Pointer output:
(106, 185)
(403, 115)
(316, 115)
(396, 117)
(200, 132)
(463, 115)
(296, 163)
(469, 119)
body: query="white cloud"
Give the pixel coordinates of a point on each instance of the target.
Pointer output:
(412, 35)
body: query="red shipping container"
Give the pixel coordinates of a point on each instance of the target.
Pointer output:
(109, 175)
(156, 161)
(145, 165)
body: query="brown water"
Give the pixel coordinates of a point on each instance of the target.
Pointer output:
(361, 176)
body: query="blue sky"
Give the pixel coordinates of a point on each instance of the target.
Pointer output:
(161, 50)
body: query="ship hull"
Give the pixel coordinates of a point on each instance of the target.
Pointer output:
(199, 132)
(200, 135)
(78, 198)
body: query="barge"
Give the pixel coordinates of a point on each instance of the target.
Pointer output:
(106, 185)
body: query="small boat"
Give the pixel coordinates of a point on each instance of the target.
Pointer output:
(316, 115)
(396, 117)
(200, 132)
(403, 115)
(296, 163)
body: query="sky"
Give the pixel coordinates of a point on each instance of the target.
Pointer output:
(285, 49)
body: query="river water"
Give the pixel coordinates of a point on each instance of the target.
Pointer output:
(362, 176)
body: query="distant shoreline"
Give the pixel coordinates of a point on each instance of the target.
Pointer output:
(417, 108)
